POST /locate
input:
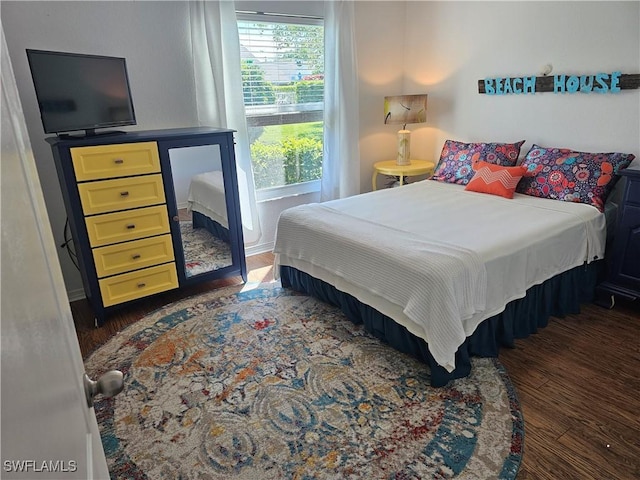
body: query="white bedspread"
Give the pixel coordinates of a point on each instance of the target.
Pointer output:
(206, 196)
(388, 248)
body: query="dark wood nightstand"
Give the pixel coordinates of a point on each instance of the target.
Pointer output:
(623, 266)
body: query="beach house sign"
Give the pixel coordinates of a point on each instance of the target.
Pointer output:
(594, 83)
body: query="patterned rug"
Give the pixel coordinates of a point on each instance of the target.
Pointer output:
(267, 383)
(203, 252)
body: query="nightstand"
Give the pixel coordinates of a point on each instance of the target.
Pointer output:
(390, 167)
(623, 276)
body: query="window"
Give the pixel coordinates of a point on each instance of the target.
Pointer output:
(283, 85)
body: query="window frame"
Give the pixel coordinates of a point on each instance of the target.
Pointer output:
(276, 118)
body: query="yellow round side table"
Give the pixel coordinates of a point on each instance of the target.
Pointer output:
(390, 167)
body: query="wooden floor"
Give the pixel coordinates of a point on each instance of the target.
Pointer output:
(578, 381)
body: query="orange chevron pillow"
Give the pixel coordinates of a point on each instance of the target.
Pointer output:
(495, 179)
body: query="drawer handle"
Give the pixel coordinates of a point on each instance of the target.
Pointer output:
(118, 161)
(131, 226)
(136, 256)
(142, 285)
(124, 194)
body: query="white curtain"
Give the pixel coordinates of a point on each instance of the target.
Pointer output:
(218, 82)
(341, 157)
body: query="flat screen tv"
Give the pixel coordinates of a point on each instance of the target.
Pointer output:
(81, 92)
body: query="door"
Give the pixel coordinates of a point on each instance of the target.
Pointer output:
(47, 429)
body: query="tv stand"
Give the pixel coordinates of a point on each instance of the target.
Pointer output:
(120, 196)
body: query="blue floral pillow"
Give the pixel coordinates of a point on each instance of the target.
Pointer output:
(563, 174)
(458, 161)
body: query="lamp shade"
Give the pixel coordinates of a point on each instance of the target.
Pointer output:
(405, 109)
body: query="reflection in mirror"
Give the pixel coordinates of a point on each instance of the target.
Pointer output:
(202, 208)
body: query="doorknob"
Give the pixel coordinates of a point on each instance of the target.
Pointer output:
(109, 385)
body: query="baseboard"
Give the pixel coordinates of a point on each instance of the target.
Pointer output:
(257, 249)
(75, 295)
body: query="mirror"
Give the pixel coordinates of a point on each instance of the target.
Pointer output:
(198, 184)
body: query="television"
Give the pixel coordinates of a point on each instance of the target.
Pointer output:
(81, 92)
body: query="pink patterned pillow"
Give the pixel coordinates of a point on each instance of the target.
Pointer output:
(458, 160)
(570, 176)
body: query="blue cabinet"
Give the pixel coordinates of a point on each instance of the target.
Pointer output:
(150, 211)
(623, 276)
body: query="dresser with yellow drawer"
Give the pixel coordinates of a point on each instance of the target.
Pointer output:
(128, 220)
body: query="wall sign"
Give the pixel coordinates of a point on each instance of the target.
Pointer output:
(598, 83)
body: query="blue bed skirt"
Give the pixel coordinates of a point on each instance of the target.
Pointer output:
(556, 297)
(214, 228)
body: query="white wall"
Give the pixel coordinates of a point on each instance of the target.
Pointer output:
(451, 45)
(439, 48)
(380, 37)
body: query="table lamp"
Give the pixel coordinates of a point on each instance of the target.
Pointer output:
(401, 110)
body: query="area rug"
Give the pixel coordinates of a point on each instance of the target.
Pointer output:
(266, 383)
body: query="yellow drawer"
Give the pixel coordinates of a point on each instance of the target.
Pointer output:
(111, 161)
(124, 257)
(121, 194)
(138, 284)
(128, 225)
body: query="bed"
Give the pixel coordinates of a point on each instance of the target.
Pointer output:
(206, 202)
(441, 272)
